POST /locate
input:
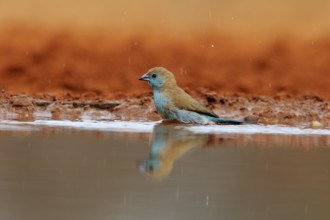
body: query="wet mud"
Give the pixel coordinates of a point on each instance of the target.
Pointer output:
(304, 111)
(61, 74)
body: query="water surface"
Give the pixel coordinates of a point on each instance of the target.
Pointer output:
(168, 172)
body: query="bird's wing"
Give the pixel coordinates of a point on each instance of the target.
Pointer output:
(182, 100)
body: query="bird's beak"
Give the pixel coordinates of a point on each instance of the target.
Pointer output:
(145, 77)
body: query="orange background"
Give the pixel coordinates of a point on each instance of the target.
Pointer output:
(252, 47)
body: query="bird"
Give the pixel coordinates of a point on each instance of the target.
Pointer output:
(173, 103)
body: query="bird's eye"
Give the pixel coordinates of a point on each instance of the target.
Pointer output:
(153, 75)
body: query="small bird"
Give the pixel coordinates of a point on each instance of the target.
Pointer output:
(174, 103)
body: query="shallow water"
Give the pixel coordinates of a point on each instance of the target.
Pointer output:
(161, 171)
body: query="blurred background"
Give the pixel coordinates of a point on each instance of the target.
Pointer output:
(251, 47)
(251, 15)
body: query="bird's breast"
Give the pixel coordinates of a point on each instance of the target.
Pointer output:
(163, 105)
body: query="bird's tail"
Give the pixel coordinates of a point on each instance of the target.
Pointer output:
(228, 121)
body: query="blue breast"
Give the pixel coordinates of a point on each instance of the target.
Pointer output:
(163, 105)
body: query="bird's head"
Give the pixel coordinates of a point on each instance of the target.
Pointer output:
(159, 77)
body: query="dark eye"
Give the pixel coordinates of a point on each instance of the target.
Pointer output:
(153, 75)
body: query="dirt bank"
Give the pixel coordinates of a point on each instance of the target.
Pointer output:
(62, 74)
(304, 111)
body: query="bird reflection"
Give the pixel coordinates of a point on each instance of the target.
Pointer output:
(169, 143)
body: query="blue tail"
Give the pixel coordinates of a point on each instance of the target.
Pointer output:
(228, 121)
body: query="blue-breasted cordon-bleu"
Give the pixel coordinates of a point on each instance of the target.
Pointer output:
(174, 103)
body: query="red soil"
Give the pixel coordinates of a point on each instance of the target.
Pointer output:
(280, 80)
(58, 62)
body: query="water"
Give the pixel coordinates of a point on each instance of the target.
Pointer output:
(162, 171)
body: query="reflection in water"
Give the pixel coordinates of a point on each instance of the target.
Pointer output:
(169, 143)
(58, 173)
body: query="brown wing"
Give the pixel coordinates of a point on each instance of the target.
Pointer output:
(182, 100)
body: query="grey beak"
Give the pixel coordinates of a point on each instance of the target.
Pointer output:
(145, 77)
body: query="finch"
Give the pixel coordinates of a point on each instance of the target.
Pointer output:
(174, 103)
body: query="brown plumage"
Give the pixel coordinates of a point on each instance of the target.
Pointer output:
(177, 96)
(172, 102)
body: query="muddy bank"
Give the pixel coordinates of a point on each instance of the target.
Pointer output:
(303, 111)
(65, 74)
